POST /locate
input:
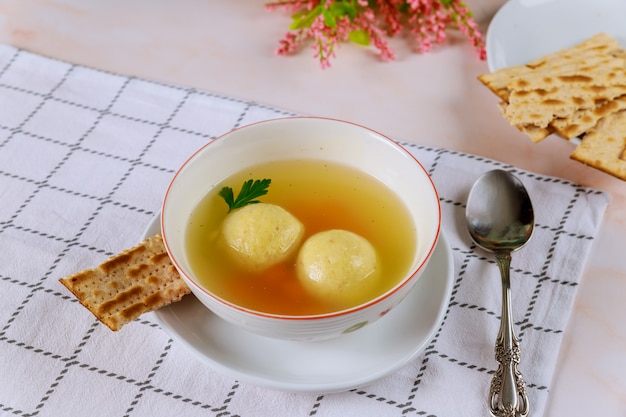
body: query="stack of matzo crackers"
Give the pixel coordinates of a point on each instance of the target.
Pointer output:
(575, 92)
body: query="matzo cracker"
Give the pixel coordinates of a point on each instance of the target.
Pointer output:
(133, 282)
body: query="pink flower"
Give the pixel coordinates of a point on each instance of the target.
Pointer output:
(328, 23)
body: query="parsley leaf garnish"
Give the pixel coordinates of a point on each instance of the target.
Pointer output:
(250, 190)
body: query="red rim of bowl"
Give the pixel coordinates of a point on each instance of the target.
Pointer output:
(344, 312)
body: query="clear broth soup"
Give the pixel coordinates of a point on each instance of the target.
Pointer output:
(322, 196)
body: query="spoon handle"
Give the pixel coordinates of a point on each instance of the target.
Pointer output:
(507, 394)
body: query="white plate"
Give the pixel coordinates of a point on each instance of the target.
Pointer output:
(523, 30)
(339, 364)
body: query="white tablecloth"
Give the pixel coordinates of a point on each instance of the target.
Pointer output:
(85, 158)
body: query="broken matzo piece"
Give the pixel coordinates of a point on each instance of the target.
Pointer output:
(133, 282)
(598, 45)
(564, 94)
(583, 120)
(536, 134)
(589, 82)
(603, 146)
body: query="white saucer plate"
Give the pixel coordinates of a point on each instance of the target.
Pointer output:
(523, 30)
(334, 365)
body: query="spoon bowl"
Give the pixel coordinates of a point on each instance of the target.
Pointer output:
(499, 212)
(500, 219)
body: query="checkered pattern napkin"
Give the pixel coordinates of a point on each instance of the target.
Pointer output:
(85, 158)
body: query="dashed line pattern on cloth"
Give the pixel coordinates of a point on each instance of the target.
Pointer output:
(161, 154)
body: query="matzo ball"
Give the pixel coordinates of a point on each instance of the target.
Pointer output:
(261, 235)
(337, 264)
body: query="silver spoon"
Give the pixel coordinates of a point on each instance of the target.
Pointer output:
(500, 219)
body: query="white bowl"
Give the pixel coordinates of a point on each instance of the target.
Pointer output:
(297, 138)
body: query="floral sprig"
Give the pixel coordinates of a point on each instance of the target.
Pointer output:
(366, 22)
